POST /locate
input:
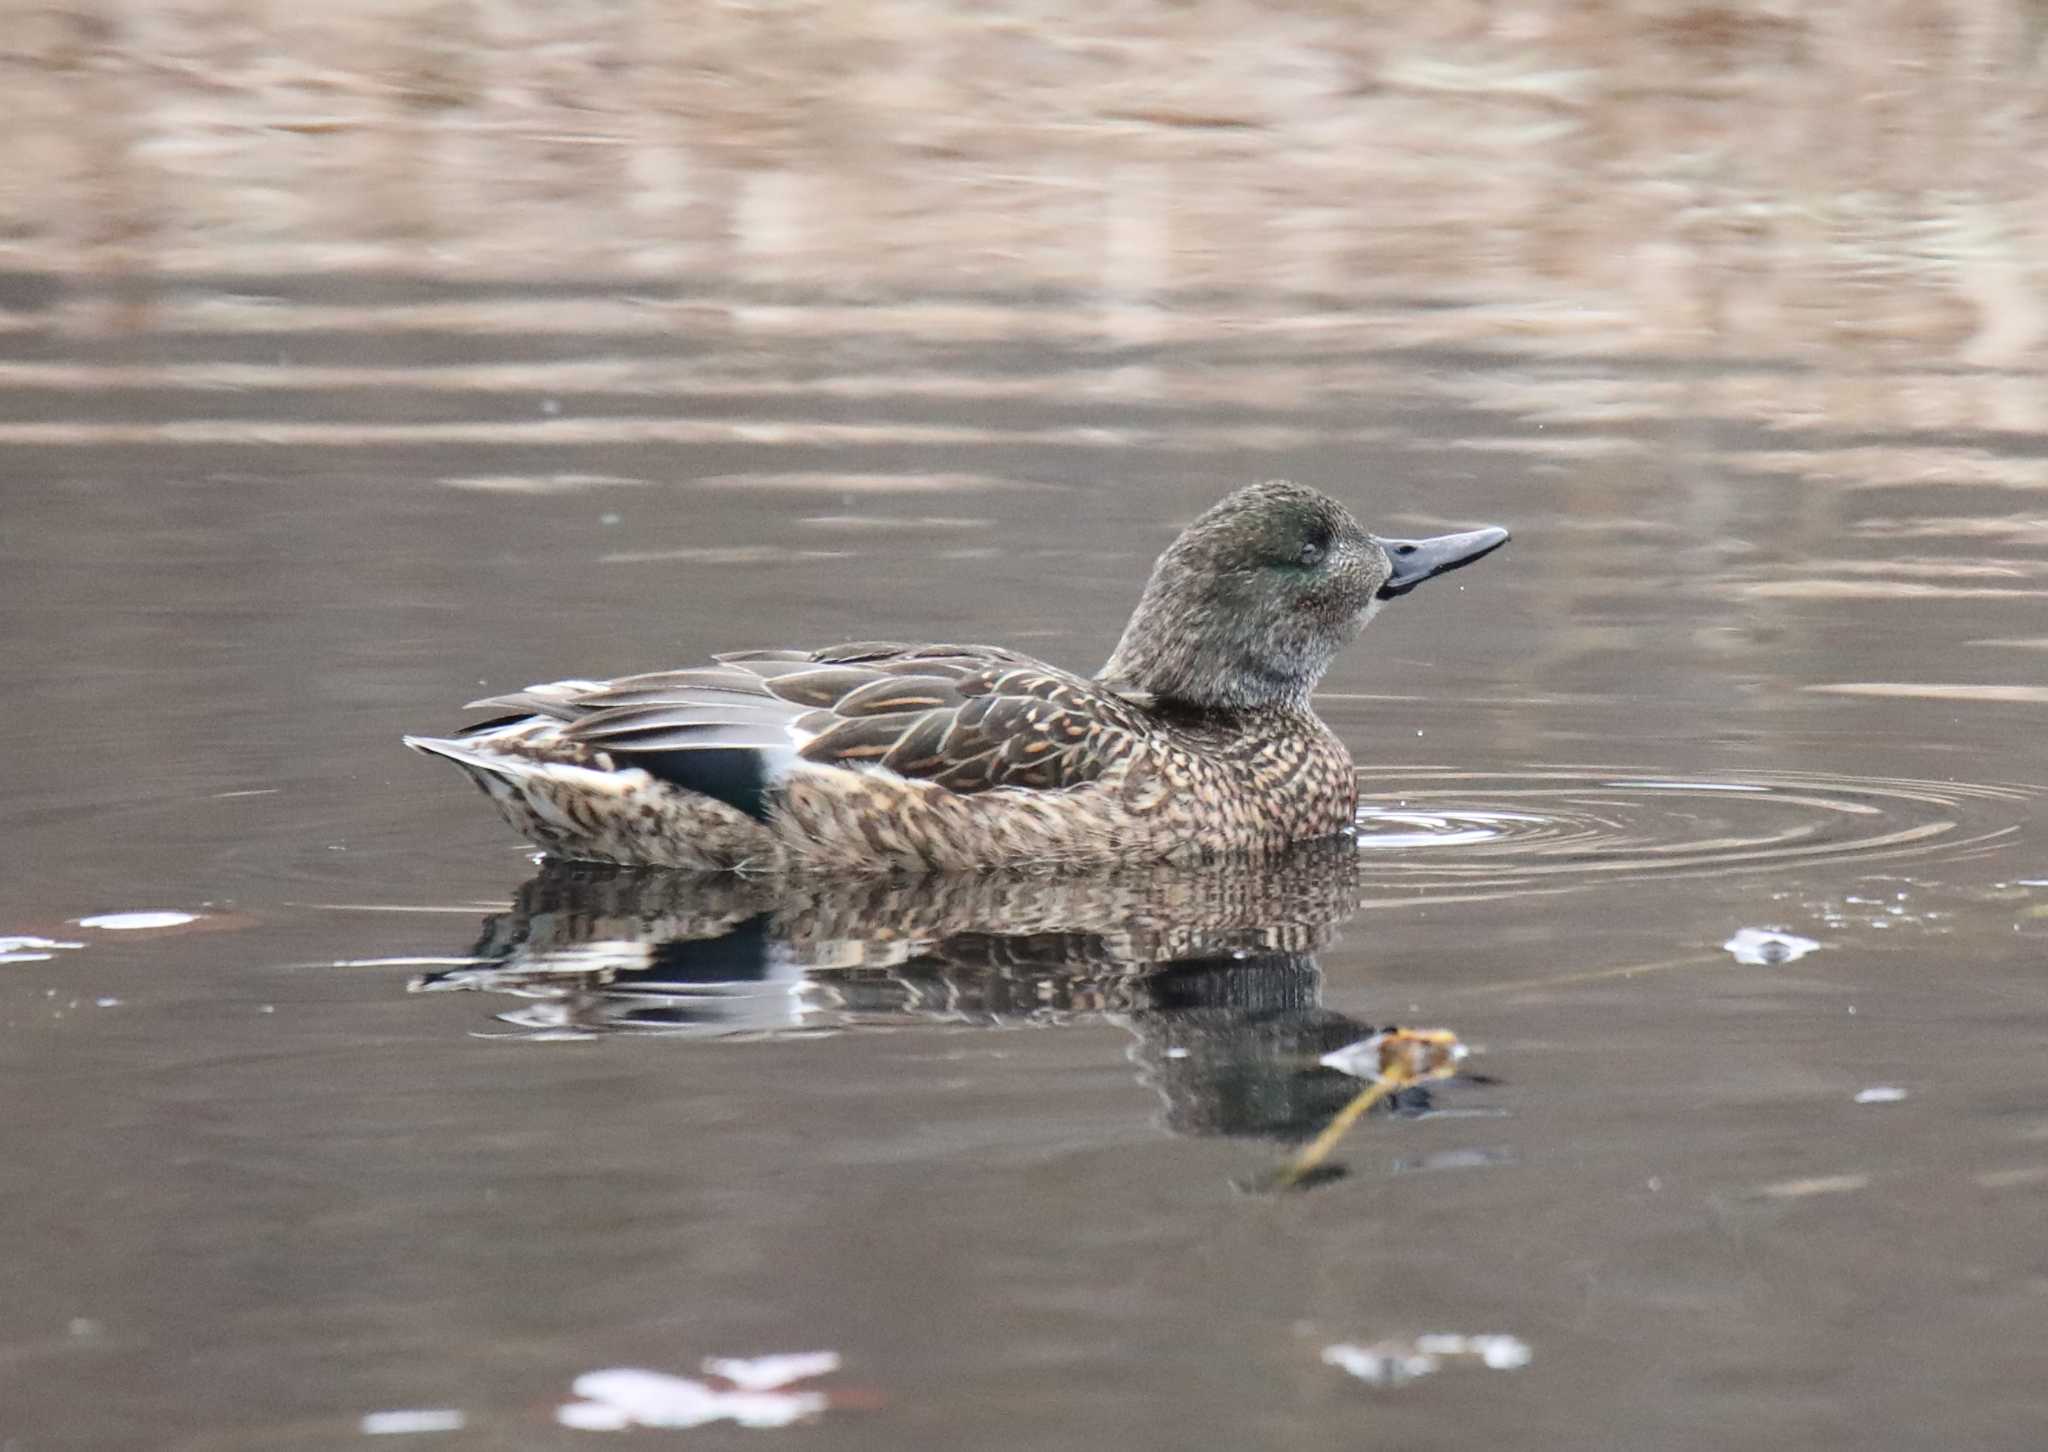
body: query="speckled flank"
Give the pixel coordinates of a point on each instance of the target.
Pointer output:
(1197, 741)
(1170, 800)
(1180, 799)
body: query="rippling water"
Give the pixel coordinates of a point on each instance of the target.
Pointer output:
(1572, 826)
(991, 1144)
(965, 1136)
(330, 1101)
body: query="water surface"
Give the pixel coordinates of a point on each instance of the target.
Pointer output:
(402, 1120)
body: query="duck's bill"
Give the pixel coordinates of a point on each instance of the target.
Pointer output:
(1416, 560)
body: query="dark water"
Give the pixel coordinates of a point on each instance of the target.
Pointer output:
(402, 1121)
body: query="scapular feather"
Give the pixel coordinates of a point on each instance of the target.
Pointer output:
(862, 738)
(821, 685)
(625, 720)
(895, 693)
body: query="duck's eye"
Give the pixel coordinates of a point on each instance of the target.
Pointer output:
(1311, 553)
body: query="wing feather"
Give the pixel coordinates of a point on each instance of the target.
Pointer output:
(966, 717)
(526, 703)
(919, 750)
(756, 736)
(631, 720)
(823, 686)
(893, 694)
(752, 657)
(861, 738)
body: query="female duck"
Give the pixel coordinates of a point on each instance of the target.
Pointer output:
(1196, 740)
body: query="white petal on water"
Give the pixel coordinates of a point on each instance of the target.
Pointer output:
(651, 1398)
(770, 1409)
(1390, 1363)
(1379, 1366)
(765, 1373)
(129, 922)
(26, 949)
(1764, 947)
(630, 1396)
(1502, 1353)
(406, 1422)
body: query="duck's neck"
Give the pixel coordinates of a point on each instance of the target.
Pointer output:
(1273, 717)
(1217, 673)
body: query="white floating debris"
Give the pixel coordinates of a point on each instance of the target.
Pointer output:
(766, 1373)
(1880, 1094)
(1391, 1363)
(625, 1396)
(593, 1416)
(25, 949)
(1764, 947)
(1379, 1366)
(1501, 1353)
(107, 1002)
(407, 1422)
(129, 922)
(1405, 1055)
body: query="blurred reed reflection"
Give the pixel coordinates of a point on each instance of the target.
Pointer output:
(1650, 177)
(1213, 972)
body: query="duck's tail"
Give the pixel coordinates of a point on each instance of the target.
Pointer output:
(482, 764)
(501, 776)
(600, 812)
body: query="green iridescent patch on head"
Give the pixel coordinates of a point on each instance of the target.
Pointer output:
(1249, 605)
(1295, 536)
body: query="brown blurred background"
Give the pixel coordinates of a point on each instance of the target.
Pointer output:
(1750, 177)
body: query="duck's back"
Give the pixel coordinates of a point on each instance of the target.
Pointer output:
(885, 756)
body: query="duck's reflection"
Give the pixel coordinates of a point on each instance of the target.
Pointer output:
(1213, 972)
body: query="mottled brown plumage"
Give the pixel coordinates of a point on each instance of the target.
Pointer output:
(1196, 741)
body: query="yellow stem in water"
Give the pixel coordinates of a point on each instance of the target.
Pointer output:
(1318, 1149)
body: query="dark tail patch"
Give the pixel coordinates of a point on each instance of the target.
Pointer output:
(739, 776)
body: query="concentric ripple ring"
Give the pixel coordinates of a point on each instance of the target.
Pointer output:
(1551, 824)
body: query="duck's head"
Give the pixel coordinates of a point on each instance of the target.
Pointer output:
(1254, 600)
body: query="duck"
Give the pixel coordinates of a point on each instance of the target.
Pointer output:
(1195, 742)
